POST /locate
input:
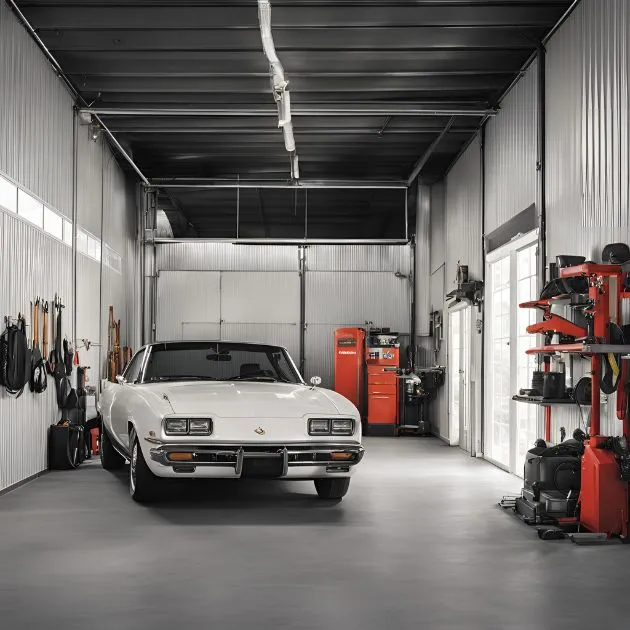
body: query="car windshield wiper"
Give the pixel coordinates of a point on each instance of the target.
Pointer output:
(186, 377)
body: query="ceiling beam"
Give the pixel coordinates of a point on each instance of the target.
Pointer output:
(305, 183)
(316, 109)
(429, 152)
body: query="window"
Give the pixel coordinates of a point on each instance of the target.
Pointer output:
(93, 247)
(30, 209)
(53, 223)
(67, 232)
(512, 279)
(221, 361)
(82, 241)
(8, 195)
(133, 369)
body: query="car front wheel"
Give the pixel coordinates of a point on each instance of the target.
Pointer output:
(143, 484)
(332, 488)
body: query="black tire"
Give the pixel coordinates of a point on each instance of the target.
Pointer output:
(332, 488)
(111, 459)
(143, 484)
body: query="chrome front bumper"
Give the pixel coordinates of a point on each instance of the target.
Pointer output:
(236, 456)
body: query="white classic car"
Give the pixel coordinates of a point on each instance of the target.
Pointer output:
(188, 409)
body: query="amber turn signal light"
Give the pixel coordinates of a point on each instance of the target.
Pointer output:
(344, 457)
(180, 457)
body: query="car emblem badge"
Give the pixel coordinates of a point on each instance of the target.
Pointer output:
(260, 431)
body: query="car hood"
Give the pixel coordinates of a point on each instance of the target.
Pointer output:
(250, 399)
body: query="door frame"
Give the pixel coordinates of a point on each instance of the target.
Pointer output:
(511, 249)
(465, 312)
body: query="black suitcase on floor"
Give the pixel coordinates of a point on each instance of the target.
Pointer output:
(65, 447)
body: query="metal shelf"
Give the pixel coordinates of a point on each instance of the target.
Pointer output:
(582, 348)
(544, 402)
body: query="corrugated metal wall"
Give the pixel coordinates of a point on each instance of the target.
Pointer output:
(349, 286)
(262, 306)
(258, 290)
(587, 159)
(438, 408)
(36, 150)
(205, 256)
(463, 215)
(588, 144)
(422, 269)
(31, 264)
(463, 243)
(35, 124)
(511, 153)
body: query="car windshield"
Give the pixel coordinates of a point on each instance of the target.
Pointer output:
(201, 361)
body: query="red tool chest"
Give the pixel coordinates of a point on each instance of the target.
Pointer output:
(382, 389)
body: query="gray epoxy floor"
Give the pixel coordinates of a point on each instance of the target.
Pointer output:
(417, 543)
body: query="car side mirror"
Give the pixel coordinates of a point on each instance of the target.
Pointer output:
(120, 379)
(315, 381)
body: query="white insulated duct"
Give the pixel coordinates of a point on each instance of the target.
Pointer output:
(279, 84)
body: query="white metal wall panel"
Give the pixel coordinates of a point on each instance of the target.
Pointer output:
(90, 180)
(511, 153)
(588, 144)
(119, 285)
(438, 226)
(190, 297)
(194, 331)
(423, 260)
(36, 121)
(226, 257)
(358, 258)
(287, 335)
(379, 297)
(31, 264)
(36, 150)
(319, 351)
(89, 314)
(337, 299)
(463, 215)
(462, 243)
(261, 297)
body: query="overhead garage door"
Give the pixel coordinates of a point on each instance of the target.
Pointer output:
(261, 306)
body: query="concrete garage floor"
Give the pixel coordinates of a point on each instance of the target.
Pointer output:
(417, 543)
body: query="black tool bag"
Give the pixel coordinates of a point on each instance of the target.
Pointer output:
(15, 358)
(62, 382)
(38, 376)
(66, 448)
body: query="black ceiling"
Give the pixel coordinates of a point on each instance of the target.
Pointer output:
(380, 56)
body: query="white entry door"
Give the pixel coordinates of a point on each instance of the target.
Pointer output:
(459, 407)
(511, 427)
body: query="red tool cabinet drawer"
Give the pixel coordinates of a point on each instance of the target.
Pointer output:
(382, 409)
(383, 389)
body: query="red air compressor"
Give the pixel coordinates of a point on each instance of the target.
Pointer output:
(349, 364)
(362, 360)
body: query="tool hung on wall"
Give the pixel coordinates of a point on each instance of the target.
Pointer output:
(469, 291)
(57, 362)
(15, 357)
(38, 376)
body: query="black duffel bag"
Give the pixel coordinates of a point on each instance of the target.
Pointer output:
(15, 358)
(66, 448)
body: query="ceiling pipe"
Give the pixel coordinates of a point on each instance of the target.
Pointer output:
(279, 85)
(302, 184)
(321, 109)
(70, 86)
(420, 164)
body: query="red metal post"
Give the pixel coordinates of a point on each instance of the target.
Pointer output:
(596, 366)
(546, 368)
